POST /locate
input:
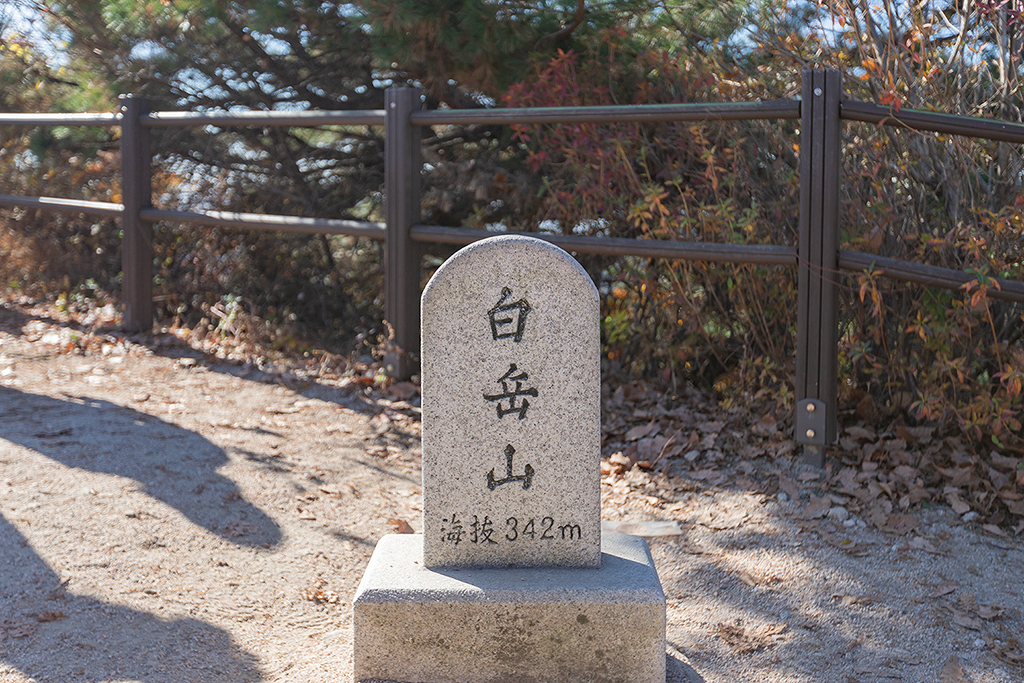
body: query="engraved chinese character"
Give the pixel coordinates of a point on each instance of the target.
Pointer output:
(512, 389)
(526, 477)
(508, 319)
(482, 531)
(454, 532)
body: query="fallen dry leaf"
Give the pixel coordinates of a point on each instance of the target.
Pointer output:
(55, 615)
(640, 431)
(281, 410)
(877, 515)
(944, 588)
(922, 434)
(847, 479)
(725, 519)
(864, 433)
(989, 612)
(766, 426)
(1009, 650)
(866, 406)
(968, 602)
(918, 543)
(966, 620)
(743, 640)
(400, 526)
(952, 672)
(994, 530)
(747, 578)
(956, 502)
(711, 476)
(711, 427)
(906, 473)
(817, 507)
(851, 600)
(789, 487)
(238, 529)
(1002, 462)
(321, 596)
(900, 523)
(783, 448)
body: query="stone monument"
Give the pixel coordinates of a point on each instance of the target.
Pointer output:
(511, 580)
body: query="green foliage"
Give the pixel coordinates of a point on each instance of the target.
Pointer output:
(480, 45)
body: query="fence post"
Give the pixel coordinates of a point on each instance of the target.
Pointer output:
(136, 194)
(817, 323)
(402, 167)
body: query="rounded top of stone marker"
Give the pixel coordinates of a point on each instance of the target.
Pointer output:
(512, 243)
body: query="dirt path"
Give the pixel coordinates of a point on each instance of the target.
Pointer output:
(168, 518)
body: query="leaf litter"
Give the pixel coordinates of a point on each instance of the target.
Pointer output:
(885, 476)
(892, 479)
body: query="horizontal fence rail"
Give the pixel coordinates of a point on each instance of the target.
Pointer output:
(622, 246)
(271, 222)
(819, 110)
(100, 119)
(930, 276)
(726, 111)
(933, 122)
(67, 205)
(296, 119)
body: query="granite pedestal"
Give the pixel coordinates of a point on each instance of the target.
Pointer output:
(525, 625)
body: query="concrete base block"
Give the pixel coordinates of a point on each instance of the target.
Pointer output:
(537, 625)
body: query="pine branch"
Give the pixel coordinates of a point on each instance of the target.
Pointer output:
(566, 31)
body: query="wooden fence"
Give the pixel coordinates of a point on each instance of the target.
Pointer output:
(821, 110)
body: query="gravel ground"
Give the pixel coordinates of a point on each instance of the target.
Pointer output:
(165, 517)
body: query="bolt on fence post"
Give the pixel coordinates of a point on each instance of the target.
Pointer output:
(136, 194)
(818, 268)
(402, 168)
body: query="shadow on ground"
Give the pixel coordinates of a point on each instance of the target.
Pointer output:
(781, 604)
(356, 398)
(99, 641)
(99, 436)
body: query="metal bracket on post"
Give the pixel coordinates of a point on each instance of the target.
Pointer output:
(817, 300)
(402, 168)
(811, 420)
(136, 194)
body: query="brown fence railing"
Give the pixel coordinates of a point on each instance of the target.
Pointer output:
(820, 110)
